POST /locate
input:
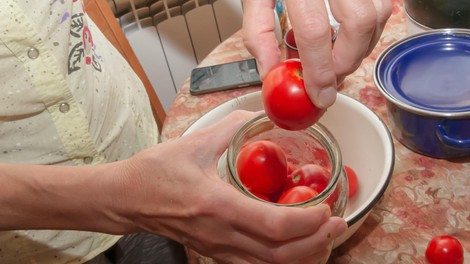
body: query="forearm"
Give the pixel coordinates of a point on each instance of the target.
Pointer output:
(59, 197)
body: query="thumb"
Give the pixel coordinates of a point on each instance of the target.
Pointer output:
(220, 133)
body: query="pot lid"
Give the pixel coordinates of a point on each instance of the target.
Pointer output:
(439, 13)
(428, 72)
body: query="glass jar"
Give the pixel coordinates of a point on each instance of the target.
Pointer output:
(314, 145)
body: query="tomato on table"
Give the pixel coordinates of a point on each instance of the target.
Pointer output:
(311, 175)
(444, 249)
(285, 99)
(262, 167)
(297, 194)
(353, 182)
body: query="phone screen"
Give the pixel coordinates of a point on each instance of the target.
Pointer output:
(224, 76)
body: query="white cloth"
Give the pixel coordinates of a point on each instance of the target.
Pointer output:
(67, 97)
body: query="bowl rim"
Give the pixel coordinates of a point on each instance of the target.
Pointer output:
(380, 189)
(378, 192)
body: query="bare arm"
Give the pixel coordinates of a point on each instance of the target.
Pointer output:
(172, 189)
(60, 197)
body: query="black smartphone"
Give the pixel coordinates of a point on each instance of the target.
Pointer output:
(224, 76)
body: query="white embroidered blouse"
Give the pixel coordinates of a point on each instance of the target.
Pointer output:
(67, 97)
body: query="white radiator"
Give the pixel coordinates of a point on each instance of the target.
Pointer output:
(171, 37)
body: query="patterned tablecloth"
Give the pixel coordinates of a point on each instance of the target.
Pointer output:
(426, 197)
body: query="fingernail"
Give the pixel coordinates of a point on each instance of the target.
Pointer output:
(326, 97)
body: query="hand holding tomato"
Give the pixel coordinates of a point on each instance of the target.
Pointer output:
(285, 99)
(325, 65)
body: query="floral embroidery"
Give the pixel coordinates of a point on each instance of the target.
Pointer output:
(82, 52)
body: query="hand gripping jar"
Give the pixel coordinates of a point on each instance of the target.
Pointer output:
(314, 145)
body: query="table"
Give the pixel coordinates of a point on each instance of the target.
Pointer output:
(426, 197)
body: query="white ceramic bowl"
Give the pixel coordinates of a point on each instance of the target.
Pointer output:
(365, 142)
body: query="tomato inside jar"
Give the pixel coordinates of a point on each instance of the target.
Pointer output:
(314, 145)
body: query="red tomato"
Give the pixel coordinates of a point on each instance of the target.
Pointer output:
(290, 167)
(297, 194)
(311, 175)
(284, 97)
(262, 196)
(273, 197)
(262, 167)
(444, 249)
(352, 181)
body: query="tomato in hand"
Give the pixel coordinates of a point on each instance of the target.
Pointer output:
(311, 175)
(444, 249)
(262, 167)
(285, 99)
(352, 181)
(297, 194)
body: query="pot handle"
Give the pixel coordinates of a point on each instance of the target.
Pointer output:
(450, 141)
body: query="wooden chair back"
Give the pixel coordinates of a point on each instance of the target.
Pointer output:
(104, 18)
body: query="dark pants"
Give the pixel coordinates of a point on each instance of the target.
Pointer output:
(143, 248)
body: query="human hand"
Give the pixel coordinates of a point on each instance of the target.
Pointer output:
(324, 65)
(174, 190)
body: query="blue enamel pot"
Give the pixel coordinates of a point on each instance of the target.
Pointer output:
(426, 81)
